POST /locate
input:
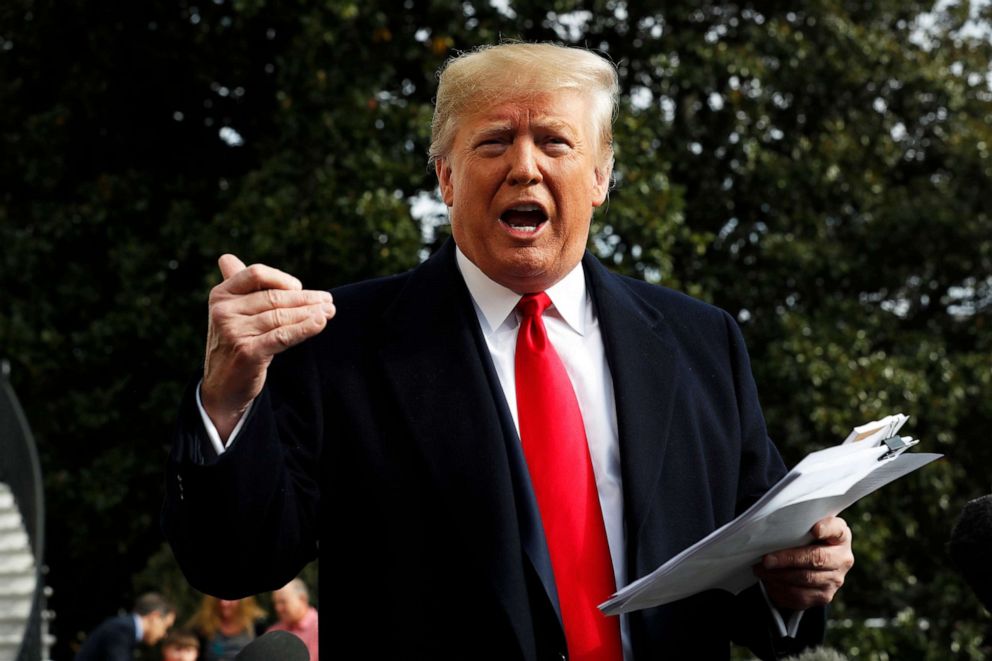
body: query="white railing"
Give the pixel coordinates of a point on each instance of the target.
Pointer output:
(18, 577)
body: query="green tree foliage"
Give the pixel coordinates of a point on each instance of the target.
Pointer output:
(820, 172)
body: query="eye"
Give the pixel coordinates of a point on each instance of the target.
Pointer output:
(490, 146)
(557, 144)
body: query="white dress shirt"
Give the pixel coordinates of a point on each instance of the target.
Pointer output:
(573, 329)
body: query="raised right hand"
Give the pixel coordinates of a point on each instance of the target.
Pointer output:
(255, 313)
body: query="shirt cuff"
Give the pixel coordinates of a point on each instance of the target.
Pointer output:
(208, 424)
(788, 629)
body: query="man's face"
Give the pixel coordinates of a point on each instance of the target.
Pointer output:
(179, 653)
(156, 625)
(521, 180)
(290, 605)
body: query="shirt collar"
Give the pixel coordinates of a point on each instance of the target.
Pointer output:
(497, 303)
(139, 631)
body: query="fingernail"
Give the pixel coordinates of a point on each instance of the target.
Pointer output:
(770, 562)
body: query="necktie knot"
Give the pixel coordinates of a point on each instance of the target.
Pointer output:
(533, 305)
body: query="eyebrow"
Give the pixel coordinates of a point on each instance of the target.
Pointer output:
(496, 128)
(554, 125)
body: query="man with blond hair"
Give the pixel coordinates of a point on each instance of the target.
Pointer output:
(292, 605)
(486, 447)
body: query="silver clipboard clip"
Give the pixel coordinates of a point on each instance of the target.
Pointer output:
(896, 445)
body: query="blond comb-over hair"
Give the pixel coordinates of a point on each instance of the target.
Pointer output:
(479, 78)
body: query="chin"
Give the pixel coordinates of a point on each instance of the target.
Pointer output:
(529, 280)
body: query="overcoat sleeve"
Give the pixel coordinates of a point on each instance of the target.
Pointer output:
(761, 466)
(246, 522)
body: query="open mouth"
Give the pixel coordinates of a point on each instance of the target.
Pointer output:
(525, 218)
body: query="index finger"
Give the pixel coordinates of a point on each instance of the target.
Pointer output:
(814, 556)
(258, 277)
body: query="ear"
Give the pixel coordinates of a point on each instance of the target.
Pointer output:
(443, 171)
(601, 186)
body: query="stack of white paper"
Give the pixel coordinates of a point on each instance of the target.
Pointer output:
(822, 484)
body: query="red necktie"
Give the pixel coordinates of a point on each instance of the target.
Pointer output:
(554, 443)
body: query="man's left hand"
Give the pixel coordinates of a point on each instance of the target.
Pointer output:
(808, 576)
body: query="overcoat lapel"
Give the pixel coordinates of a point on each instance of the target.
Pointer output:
(644, 364)
(432, 360)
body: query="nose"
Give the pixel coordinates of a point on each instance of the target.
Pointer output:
(523, 164)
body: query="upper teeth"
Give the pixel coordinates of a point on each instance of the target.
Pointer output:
(526, 207)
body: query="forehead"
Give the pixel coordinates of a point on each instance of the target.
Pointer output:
(564, 110)
(160, 617)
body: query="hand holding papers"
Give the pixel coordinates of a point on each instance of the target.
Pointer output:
(822, 484)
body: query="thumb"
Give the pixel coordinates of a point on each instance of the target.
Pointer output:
(229, 265)
(831, 530)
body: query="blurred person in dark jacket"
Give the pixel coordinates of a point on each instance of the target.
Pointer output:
(116, 638)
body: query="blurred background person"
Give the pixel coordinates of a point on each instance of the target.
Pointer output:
(180, 645)
(225, 626)
(116, 638)
(296, 615)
